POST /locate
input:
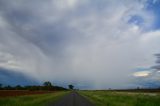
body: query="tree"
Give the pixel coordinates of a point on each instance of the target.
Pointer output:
(48, 85)
(8, 87)
(0, 86)
(18, 87)
(138, 88)
(71, 87)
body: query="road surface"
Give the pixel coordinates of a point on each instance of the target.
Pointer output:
(72, 99)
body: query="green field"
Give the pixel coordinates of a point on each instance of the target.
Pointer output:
(33, 100)
(113, 98)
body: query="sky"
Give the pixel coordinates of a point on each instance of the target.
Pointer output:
(92, 44)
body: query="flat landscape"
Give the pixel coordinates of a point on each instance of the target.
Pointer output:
(119, 98)
(10, 93)
(80, 98)
(79, 52)
(40, 99)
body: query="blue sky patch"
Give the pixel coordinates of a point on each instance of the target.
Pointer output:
(154, 6)
(136, 19)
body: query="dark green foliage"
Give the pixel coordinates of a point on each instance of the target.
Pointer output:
(0, 86)
(46, 86)
(8, 87)
(71, 87)
(18, 87)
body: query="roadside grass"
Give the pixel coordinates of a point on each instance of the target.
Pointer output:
(32, 100)
(113, 98)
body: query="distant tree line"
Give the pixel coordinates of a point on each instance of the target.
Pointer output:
(46, 86)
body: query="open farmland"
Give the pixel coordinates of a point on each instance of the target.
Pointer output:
(119, 98)
(8, 93)
(32, 100)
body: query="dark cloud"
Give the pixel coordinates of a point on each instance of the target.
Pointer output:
(10, 77)
(157, 66)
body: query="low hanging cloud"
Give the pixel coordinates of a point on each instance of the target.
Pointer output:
(157, 66)
(149, 77)
(92, 44)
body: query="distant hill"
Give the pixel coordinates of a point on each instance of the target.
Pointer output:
(8, 77)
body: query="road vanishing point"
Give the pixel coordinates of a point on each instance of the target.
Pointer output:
(72, 99)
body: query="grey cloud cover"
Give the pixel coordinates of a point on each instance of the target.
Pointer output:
(84, 42)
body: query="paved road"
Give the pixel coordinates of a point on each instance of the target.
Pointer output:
(73, 99)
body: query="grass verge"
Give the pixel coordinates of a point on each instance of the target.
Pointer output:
(112, 98)
(32, 100)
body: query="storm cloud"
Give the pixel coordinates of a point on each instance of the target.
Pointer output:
(92, 44)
